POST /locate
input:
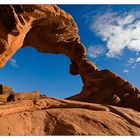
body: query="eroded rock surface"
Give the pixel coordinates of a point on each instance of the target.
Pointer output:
(6, 93)
(4, 89)
(51, 30)
(50, 116)
(107, 88)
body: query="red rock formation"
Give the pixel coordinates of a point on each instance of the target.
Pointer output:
(50, 30)
(5, 94)
(42, 115)
(5, 89)
(107, 88)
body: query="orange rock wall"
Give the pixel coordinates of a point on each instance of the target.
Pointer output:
(51, 30)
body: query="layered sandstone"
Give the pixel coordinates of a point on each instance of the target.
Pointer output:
(5, 89)
(51, 30)
(42, 115)
(107, 88)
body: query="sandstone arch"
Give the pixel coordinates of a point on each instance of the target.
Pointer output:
(50, 30)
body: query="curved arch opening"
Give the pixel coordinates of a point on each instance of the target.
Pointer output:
(30, 70)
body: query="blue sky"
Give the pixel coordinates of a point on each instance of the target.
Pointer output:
(111, 34)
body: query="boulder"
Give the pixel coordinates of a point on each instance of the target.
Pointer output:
(4, 89)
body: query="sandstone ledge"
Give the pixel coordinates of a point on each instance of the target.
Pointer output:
(43, 115)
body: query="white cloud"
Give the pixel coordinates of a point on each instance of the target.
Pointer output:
(138, 59)
(118, 30)
(94, 51)
(125, 71)
(133, 62)
(13, 62)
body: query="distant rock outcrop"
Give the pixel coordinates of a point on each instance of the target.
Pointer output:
(6, 93)
(51, 30)
(5, 89)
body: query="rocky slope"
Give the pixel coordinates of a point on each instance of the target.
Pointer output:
(35, 114)
(51, 30)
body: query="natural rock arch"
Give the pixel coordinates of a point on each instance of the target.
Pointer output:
(50, 30)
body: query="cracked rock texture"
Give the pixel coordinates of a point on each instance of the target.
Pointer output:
(42, 115)
(51, 30)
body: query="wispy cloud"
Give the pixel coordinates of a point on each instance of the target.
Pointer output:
(118, 30)
(94, 51)
(138, 59)
(125, 71)
(13, 62)
(133, 62)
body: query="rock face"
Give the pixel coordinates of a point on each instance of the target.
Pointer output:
(5, 89)
(107, 88)
(50, 30)
(5, 94)
(42, 115)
